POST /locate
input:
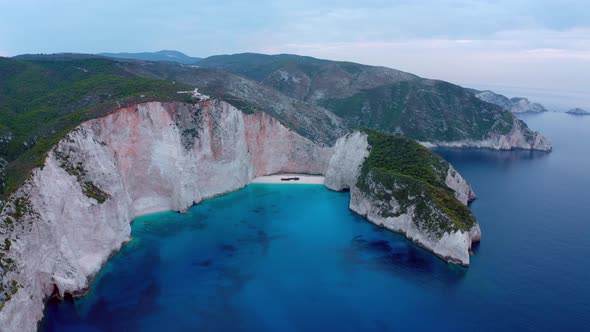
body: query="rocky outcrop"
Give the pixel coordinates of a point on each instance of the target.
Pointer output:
(306, 78)
(519, 137)
(578, 111)
(452, 246)
(345, 164)
(514, 105)
(75, 211)
(413, 213)
(463, 191)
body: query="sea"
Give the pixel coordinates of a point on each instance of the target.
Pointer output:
(555, 100)
(295, 258)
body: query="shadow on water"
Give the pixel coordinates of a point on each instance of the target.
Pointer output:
(221, 314)
(262, 239)
(392, 253)
(120, 311)
(168, 224)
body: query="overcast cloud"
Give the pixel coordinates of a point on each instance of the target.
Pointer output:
(528, 43)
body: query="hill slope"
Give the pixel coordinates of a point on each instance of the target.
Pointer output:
(385, 99)
(40, 101)
(306, 78)
(164, 55)
(309, 120)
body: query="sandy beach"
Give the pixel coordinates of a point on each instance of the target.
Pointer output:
(303, 179)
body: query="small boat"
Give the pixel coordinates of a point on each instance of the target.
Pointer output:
(290, 179)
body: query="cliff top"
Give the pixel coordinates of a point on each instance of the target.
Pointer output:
(396, 160)
(41, 101)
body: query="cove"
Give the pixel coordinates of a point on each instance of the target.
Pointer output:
(294, 258)
(267, 257)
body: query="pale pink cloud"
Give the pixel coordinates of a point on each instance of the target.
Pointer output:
(536, 58)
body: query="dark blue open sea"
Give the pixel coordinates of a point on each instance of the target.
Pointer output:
(294, 258)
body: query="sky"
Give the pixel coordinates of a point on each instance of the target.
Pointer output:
(536, 44)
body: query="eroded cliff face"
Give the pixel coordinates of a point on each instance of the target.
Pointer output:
(452, 245)
(74, 212)
(519, 137)
(463, 191)
(385, 206)
(344, 167)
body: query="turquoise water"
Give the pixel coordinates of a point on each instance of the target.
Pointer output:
(294, 258)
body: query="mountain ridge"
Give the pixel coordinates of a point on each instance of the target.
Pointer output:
(383, 98)
(514, 104)
(163, 55)
(44, 96)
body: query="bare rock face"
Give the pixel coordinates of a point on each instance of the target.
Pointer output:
(574, 111)
(345, 164)
(463, 191)
(75, 211)
(380, 204)
(452, 246)
(519, 137)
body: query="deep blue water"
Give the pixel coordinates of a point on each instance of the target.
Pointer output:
(293, 258)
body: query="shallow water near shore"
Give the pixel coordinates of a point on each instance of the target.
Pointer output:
(294, 258)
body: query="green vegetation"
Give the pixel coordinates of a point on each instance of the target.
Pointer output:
(41, 101)
(259, 66)
(379, 98)
(424, 110)
(76, 169)
(7, 291)
(93, 191)
(22, 206)
(7, 287)
(242, 105)
(401, 155)
(418, 176)
(6, 264)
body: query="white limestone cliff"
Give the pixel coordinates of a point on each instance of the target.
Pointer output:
(351, 151)
(462, 188)
(519, 137)
(146, 158)
(451, 246)
(344, 167)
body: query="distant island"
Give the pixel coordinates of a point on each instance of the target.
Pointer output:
(578, 111)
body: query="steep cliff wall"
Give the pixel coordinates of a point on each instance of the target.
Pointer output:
(75, 211)
(402, 203)
(519, 137)
(345, 164)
